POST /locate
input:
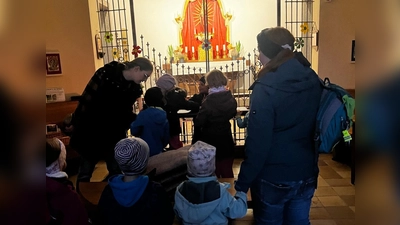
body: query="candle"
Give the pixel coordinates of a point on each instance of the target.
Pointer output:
(217, 48)
(223, 47)
(213, 30)
(194, 30)
(186, 49)
(193, 49)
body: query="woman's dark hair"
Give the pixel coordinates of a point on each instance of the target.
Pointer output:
(270, 41)
(142, 62)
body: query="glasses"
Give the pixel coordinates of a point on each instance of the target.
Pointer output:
(145, 76)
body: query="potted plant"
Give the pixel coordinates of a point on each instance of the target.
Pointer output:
(170, 53)
(236, 51)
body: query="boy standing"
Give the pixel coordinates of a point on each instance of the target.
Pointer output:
(131, 197)
(202, 199)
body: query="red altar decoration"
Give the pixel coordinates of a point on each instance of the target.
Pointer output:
(193, 27)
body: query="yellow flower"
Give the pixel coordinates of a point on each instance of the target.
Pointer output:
(108, 37)
(304, 28)
(116, 53)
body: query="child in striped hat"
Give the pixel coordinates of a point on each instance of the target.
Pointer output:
(131, 196)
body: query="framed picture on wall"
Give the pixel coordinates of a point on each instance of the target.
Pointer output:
(353, 49)
(53, 63)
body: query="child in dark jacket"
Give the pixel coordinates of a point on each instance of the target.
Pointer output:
(214, 121)
(132, 197)
(63, 203)
(151, 124)
(202, 199)
(199, 98)
(175, 100)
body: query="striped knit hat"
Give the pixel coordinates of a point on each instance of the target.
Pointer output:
(201, 159)
(132, 155)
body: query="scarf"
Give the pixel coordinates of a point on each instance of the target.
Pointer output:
(212, 90)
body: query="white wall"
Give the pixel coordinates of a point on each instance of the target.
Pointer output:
(155, 21)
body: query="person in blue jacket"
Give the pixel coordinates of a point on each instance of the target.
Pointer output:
(280, 166)
(151, 124)
(132, 197)
(202, 199)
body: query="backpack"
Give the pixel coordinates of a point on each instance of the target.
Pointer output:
(333, 118)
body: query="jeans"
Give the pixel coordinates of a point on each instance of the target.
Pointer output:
(277, 203)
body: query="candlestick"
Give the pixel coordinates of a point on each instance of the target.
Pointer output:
(193, 57)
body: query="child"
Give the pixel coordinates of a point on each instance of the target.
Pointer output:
(151, 124)
(202, 199)
(175, 100)
(242, 123)
(131, 197)
(199, 98)
(63, 203)
(214, 121)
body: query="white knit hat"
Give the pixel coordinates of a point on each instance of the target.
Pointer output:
(201, 159)
(166, 82)
(132, 155)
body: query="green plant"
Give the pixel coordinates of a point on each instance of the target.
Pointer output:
(170, 51)
(239, 48)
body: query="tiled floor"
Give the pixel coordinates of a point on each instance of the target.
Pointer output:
(333, 202)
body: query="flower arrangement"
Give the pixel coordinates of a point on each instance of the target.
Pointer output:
(136, 50)
(236, 50)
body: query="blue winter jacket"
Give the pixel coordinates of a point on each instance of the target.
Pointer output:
(152, 126)
(279, 143)
(203, 200)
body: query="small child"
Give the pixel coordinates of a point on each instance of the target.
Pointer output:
(242, 123)
(131, 197)
(151, 124)
(214, 120)
(175, 100)
(63, 203)
(202, 199)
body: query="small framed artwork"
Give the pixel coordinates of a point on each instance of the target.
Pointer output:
(53, 63)
(353, 51)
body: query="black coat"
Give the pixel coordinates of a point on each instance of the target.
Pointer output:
(104, 112)
(176, 100)
(214, 121)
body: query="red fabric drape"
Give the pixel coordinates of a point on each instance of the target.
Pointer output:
(194, 22)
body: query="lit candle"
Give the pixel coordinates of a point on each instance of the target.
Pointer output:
(186, 49)
(217, 48)
(223, 47)
(193, 49)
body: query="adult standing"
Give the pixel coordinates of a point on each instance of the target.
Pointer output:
(281, 164)
(105, 112)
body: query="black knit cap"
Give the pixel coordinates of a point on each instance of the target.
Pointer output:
(203, 79)
(154, 97)
(266, 46)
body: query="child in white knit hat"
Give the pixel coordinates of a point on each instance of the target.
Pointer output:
(175, 98)
(131, 196)
(202, 199)
(63, 203)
